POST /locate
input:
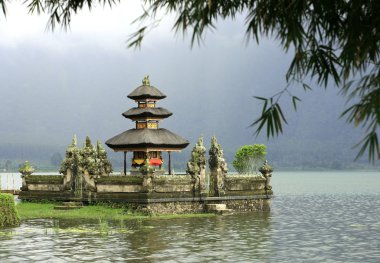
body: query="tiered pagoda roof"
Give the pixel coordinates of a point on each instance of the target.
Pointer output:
(146, 91)
(136, 113)
(147, 136)
(145, 139)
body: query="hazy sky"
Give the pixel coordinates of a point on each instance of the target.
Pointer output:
(56, 84)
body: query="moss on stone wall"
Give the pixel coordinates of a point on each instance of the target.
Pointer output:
(253, 205)
(170, 208)
(8, 213)
(172, 180)
(44, 179)
(120, 180)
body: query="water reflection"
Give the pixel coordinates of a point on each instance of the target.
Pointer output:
(323, 226)
(154, 240)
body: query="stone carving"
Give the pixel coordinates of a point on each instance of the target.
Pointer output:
(68, 162)
(69, 166)
(196, 167)
(198, 159)
(148, 173)
(103, 165)
(218, 168)
(25, 171)
(80, 166)
(266, 171)
(88, 157)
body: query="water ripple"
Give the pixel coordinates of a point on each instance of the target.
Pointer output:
(319, 227)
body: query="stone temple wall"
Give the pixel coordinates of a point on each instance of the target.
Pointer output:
(200, 206)
(163, 194)
(189, 193)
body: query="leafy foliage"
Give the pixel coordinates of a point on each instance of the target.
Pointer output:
(8, 212)
(333, 41)
(248, 158)
(26, 169)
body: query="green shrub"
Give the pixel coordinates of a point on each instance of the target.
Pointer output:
(248, 158)
(8, 213)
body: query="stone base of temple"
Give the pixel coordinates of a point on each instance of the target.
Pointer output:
(154, 193)
(158, 203)
(178, 207)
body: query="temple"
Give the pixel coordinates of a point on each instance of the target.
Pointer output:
(147, 140)
(87, 175)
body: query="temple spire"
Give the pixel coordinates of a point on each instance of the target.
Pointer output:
(146, 81)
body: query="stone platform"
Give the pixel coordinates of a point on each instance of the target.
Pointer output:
(162, 194)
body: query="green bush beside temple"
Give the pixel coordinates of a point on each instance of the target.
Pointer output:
(8, 213)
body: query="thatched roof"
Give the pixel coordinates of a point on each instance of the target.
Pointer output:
(146, 92)
(147, 138)
(147, 112)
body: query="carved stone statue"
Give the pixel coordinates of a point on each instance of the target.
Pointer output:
(88, 165)
(80, 166)
(88, 160)
(70, 165)
(218, 168)
(266, 171)
(196, 167)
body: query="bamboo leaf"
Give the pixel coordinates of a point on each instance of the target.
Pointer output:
(306, 87)
(281, 114)
(371, 142)
(295, 99)
(260, 98)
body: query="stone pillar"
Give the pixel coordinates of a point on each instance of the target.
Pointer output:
(125, 163)
(170, 164)
(266, 170)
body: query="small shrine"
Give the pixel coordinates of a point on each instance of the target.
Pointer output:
(147, 141)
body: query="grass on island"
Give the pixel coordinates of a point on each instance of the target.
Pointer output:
(32, 210)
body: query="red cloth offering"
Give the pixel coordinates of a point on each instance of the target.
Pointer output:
(155, 162)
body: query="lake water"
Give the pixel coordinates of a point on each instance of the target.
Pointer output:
(315, 217)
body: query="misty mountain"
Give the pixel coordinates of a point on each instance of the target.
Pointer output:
(51, 92)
